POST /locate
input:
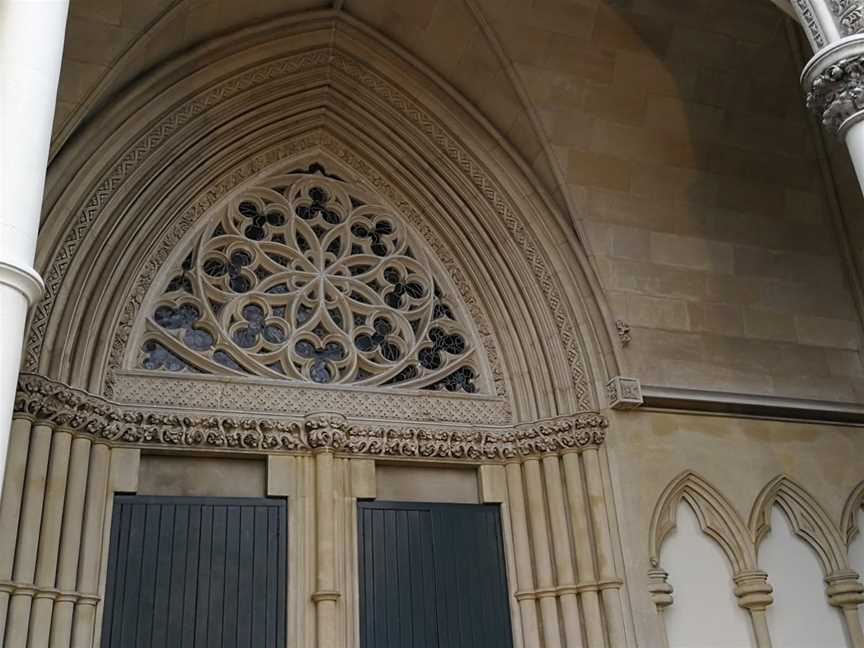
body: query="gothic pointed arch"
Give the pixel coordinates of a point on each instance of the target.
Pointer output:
(717, 518)
(189, 138)
(808, 520)
(849, 519)
(303, 276)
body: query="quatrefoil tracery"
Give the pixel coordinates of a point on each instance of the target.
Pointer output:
(306, 278)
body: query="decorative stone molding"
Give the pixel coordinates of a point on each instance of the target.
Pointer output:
(716, 516)
(189, 392)
(624, 393)
(834, 84)
(807, 518)
(36, 592)
(25, 280)
(849, 15)
(625, 335)
(488, 194)
(326, 431)
(814, 30)
(660, 590)
(849, 520)
(752, 589)
(75, 410)
(844, 590)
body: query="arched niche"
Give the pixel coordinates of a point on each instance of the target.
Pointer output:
(705, 607)
(317, 86)
(807, 519)
(807, 559)
(717, 518)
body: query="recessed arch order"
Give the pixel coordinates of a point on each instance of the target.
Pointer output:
(307, 88)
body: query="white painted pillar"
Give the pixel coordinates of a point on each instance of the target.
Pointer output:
(834, 78)
(31, 48)
(855, 142)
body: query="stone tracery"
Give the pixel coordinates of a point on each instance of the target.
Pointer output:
(308, 278)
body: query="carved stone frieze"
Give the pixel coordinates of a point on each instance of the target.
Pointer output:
(814, 31)
(836, 94)
(188, 392)
(73, 409)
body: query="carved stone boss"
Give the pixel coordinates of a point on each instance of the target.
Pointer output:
(76, 410)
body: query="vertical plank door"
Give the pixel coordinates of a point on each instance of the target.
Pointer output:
(432, 576)
(196, 572)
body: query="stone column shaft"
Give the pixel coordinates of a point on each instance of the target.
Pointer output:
(754, 595)
(49, 539)
(603, 545)
(522, 551)
(845, 592)
(542, 559)
(582, 540)
(84, 613)
(563, 557)
(325, 596)
(10, 506)
(31, 47)
(28, 535)
(661, 593)
(70, 537)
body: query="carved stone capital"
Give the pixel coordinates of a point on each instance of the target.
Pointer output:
(326, 431)
(753, 590)
(844, 590)
(104, 421)
(849, 15)
(660, 590)
(834, 83)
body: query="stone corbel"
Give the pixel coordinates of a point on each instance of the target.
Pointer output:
(624, 393)
(661, 594)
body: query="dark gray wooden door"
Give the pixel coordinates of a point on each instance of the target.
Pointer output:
(432, 576)
(188, 572)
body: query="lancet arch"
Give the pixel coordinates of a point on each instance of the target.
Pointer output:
(808, 520)
(295, 93)
(717, 518)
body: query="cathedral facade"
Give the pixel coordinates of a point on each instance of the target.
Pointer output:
(378, 324)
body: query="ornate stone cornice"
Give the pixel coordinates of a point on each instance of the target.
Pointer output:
(73, 409)
(834, 83)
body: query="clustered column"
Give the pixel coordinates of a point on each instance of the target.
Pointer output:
(29, 74)
(52, 514)
(558, 531)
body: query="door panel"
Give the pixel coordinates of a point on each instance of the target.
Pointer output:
(432, 576)
(188, 572)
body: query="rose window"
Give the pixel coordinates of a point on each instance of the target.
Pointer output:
(308, 278)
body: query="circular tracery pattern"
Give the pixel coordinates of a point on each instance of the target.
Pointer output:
(307, 278)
